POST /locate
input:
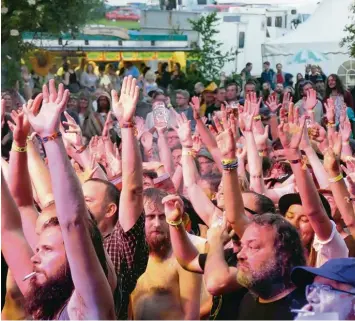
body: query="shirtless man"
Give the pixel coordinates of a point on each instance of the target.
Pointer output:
(70, 280)
(165, 291)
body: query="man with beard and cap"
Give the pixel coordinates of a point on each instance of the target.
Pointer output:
(165, 291)
(329, 289)
(66, 278)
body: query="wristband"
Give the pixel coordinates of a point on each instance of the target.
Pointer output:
(230, 166)
(228, 161)
(51, 137)
(174, 223)
(331, 125)
(18, 149)
(311, 111)
(336, 179)
(257, 117)
(295, 161)
(129, 124)
(81, 149)
(262, 153)
(188, 152)
(345, 143)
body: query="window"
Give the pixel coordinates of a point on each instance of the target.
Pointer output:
(269, 21)
(346, 73)
(278, 22)
(241, 39)
(201, 2)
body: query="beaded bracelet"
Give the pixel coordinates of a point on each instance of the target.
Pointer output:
(51, 137)
(257, 117)
(228, 161)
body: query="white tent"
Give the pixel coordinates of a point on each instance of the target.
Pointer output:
(316, 41)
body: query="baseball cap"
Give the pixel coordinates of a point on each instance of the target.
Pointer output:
(155, 90)
(205, 153)
(294, 198)
(340, 270)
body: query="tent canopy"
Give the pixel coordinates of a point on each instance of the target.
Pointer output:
(316, 41)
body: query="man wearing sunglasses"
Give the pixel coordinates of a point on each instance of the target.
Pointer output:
(329, 288)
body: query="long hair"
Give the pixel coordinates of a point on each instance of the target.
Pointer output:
(338, 85)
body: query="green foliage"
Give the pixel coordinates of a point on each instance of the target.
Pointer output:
(349, 40)
(51, 16)
(209, 58)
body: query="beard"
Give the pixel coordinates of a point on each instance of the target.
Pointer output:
(43, 301)
(160, 244)
(266, 283)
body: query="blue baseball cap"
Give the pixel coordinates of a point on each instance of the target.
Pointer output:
(340, 270)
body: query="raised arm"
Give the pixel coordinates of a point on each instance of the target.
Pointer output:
(91, 285)
(206, 135)
(14, 246)
(184, 251)
(39, 173)
(19, 177)
(233, 201)
(201, 203)
(219, 277)
(290, 136)
(131, 202)
(342, 198)
(164, 151)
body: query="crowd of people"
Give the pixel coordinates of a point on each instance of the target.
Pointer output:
(133, 198)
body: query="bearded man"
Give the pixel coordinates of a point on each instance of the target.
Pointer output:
(165, 291)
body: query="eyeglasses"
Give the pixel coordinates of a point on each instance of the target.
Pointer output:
(324, 288)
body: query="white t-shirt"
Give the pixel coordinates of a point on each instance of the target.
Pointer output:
(283, 190)
(333, 248)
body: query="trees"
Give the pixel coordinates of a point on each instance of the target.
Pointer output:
(208, 57)
(349, 40)
(53, 17)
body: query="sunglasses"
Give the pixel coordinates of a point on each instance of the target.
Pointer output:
(250, 211)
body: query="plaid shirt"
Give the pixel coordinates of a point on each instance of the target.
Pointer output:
(129, 254)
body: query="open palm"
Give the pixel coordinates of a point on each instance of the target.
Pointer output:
(46, 121)
(125, 107)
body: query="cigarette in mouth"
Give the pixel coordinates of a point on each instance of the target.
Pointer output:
(29, 276)
(302, 311)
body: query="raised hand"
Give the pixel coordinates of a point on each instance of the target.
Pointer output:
(332, 154)
(218, 230)
(108, 125)
(286, 101)
(197, 142)
(291, 133)
(184, 130)
(272, 104)
(345, 130)
(254, 103)
(46, 121)
(311, 100)
(261, 139)
(125, 107)
(83, 175)
(247, 117)
(113, 161)
(140, 126)
(94, 149)
(225, 139)
(147, 141)
(330, 110)
(73, 135)
(173, 207)
(195, 104)
(21, 128)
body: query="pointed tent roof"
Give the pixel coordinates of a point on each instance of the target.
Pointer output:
(326, 25)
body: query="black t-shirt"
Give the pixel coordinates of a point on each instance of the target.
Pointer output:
(251, 309)
(225, 307)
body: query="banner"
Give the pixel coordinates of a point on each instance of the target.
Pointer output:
(97, 56)
(116, 56)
